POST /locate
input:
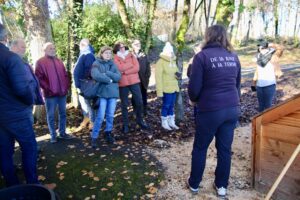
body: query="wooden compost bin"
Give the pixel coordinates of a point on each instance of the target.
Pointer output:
(275, 136)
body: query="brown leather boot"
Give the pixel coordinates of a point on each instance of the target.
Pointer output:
(83, 124)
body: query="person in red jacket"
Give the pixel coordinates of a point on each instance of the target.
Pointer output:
(55, 83)
(128, 66)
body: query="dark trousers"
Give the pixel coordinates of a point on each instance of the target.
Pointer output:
(22, 132)
(219, 124)
(137, 98)
(144, 95)
(144, 99)
(265, 96)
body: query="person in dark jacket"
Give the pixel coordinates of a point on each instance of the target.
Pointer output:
(82, 70)
(144, 72)
(214, 86)
(107, 74)
(18, 46)
(16, 100)
(55, 83)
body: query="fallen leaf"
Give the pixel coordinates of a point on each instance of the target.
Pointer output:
(91, 154)
(104, 189)
(120, 194)
(87, 198)
(96, 179)
(41, 178)
(135, 164)
(110, 184)
(93, 196)
(152, 190)
(124, 172)
(70, 196)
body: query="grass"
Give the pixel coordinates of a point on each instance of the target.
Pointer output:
(109, 172)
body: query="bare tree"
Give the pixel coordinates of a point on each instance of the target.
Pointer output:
(175, 20)
(151, 10)
(75, 8)
(124, 17)
(180, 40)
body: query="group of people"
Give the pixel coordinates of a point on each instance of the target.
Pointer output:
(213, 89)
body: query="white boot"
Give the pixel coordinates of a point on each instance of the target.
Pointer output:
(164, 123)
(171, 122)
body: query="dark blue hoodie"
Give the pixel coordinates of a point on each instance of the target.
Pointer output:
(82, 69)
(215, 79)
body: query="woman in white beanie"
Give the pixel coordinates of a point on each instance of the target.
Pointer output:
(166, 73)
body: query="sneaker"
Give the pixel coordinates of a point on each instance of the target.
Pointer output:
(53, 140)
(66, 137)
(109, 138)
(143, 126)
(193, 190)
(221, 191)
(125, 129)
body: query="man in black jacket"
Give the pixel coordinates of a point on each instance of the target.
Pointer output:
(145, 70)
(16, 100)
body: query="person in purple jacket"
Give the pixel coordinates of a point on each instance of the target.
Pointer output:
(214, 86)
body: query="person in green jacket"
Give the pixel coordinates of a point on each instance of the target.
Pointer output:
(107, 74)
(166, 74)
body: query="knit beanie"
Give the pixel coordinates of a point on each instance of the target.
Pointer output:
(168, 49)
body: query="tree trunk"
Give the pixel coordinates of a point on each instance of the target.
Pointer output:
(175, 20)
(151, 10)
(276, 16)
(195, 11)
(234, 24)
(37, 23)
(180, 40)
(124, 17)
(75, 8)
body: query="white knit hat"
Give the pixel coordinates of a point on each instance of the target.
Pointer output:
(168, 49)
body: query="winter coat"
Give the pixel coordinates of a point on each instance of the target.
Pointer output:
(165, 78)
(16, 97)
(108, 75)
(35, 86)
(52, 76)
(215, 78)
(145, 70)
(129, 69)
(82, 68)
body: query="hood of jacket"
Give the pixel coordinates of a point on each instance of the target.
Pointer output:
(167, 58)
(87, 50)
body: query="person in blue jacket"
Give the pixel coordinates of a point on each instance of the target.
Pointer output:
(214, 86)
(16, 100)
(82, 70)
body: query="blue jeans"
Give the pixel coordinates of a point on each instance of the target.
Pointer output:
(51, 104)
(86, 108)
(107, 108)
(22, 132)
(219, 124)
(168, 104)
(137, 97)
(265, 96)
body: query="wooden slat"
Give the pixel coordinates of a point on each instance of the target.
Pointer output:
(282, 133)
(289, 121)
(287, 107)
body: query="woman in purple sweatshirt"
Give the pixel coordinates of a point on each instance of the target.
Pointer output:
(214, 86)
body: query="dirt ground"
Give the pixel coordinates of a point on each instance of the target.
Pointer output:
(177, 163)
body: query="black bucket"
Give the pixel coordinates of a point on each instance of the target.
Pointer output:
(27, 192)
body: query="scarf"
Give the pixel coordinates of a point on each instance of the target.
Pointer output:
(263, 59)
